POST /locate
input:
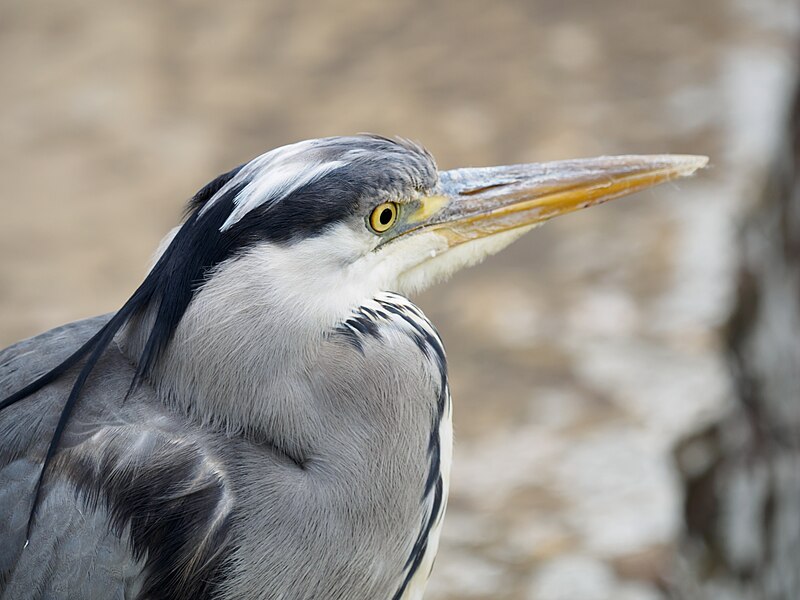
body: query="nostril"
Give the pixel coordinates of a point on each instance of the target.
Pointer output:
(484, 188)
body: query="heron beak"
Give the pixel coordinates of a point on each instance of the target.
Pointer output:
(480, 202)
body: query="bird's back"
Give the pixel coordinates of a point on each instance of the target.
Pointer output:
(133, 503)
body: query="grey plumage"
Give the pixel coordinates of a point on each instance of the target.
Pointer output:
(262, 418)
(149, 461)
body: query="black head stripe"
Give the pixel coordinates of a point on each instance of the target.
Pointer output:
(210, 190)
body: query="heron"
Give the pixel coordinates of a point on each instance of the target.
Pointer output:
(268, 415)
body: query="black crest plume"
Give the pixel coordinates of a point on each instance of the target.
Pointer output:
(167, 290)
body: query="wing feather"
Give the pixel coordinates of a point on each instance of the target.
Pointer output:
(136, 503)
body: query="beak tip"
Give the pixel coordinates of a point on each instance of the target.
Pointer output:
(685, 165)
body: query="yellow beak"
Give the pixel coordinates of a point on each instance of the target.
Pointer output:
(478, 202)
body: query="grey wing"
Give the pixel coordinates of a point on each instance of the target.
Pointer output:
(136, 502)
(71, 552)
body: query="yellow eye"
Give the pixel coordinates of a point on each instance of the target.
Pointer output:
(383, 217)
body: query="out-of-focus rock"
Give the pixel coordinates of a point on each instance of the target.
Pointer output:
(570, 577)
(742, 474)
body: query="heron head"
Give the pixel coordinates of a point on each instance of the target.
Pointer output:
(349, 216)
(308, 231)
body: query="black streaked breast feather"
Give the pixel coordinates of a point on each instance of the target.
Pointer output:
(365, 322)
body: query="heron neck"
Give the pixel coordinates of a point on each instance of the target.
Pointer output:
(365, 413)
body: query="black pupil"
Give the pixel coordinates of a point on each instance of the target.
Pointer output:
(386, 216)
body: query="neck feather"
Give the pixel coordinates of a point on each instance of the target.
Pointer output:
(240, 358)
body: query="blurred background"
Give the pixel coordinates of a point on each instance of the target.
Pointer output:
(590, 362)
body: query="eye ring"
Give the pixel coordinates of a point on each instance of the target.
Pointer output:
(383, 217)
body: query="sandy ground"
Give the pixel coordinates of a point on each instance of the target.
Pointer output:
(578, 357)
